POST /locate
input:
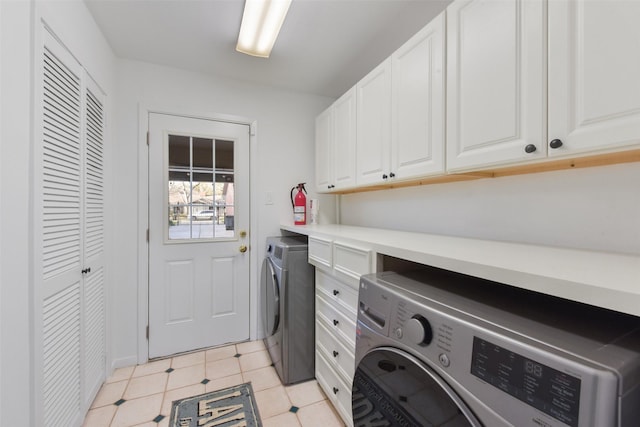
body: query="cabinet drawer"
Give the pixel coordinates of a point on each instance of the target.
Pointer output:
(335, 388)
(340, 357)
(349, 263)
(338, 293)
(337, 321)
(320, 253)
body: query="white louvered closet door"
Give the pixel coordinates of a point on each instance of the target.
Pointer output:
(94, 293)
(69, 234)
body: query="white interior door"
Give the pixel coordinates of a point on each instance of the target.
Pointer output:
(198, 222)
(69, 238)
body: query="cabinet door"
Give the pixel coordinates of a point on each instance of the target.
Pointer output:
(417, 117)
(343, 155)
(594, 69)
(323, 151)
(495, 83)
(374, 125)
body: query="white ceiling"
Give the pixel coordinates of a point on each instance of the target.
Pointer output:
(324, 47)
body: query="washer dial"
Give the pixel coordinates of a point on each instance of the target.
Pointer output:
(418, 330)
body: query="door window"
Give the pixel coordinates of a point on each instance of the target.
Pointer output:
(392, 389)
(200, 188)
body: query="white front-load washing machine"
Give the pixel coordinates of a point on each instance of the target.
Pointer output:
(435, 348)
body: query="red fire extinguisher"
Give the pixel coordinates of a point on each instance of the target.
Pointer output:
(299, 205)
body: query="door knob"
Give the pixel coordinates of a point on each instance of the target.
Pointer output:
(243, 248)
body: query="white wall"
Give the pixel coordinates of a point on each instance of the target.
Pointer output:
(285, 146)
(19, 28)
(15, 148)
(595, 208)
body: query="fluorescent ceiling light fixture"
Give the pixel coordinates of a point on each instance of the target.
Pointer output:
(261, 22)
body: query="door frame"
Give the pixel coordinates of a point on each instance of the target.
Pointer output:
(143, 219)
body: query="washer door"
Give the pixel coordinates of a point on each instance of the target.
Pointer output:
(270, 298)
(393, 388)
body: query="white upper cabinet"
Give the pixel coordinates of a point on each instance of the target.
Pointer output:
(417, 115)
(336, 145)
(374, 125)
(527, 81)
(594, 75)
(323, 150)
(401, 112)
(344, 141)
(496, 88)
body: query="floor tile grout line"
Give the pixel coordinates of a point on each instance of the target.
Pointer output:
(204, 363)
(164, 396)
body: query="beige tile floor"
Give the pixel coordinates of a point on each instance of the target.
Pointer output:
(141, 395)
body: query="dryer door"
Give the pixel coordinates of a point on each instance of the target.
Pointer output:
(270, 298)
(393, 388)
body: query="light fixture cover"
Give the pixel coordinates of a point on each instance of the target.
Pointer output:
(261, 23)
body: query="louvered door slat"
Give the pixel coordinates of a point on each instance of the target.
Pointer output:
(94, 360)
(61, 167)
(61, 322)
(94, 191)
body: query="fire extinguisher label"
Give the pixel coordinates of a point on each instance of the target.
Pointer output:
(298, 214)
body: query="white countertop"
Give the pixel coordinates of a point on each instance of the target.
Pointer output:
(598, 278)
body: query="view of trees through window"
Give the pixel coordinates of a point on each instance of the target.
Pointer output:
(201, 196)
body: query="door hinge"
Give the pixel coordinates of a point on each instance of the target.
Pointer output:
(147, 332)
(147, 235)
(147, 137)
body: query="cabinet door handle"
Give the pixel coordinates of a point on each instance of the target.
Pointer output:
(86, 270)
(335, 353)
(555, 143)
(530, 148)
(392, 175)
(335, 390)
(336, 292)
(335, 322)
(384, 176)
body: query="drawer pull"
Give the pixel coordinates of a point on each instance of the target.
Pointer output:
(335, 353)
(335, 322)
(336, 292)
(335, 390)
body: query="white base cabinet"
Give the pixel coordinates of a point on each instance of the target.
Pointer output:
(338, 269)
